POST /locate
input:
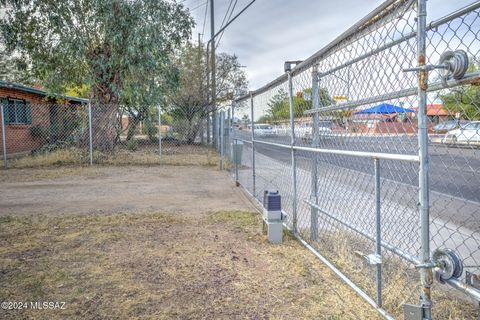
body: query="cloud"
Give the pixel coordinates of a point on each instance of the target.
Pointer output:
(273, 31)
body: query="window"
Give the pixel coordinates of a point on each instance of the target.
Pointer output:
(16, 111)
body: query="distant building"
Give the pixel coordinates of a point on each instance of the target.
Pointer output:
(31, 118)
(436, 113)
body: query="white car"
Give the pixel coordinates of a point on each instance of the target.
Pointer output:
(324, 130)
(264, 130)
(468, 133)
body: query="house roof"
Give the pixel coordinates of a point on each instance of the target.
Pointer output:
(23, 88)
(436, 109)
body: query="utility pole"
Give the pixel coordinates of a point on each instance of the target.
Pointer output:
(200, 87)
(211, 42)
(214, 82)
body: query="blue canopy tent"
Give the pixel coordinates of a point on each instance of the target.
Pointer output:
(385, 108)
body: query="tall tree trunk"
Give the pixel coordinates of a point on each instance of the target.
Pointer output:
(104, 126)
(191, 131)
(104, 121)
(132, 126)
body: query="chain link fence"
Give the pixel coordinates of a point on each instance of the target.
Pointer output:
(373, 143)
(40, 135)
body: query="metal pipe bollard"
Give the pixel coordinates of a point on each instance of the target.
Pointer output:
(272, 216)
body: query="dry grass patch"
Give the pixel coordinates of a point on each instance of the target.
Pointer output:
(164, 266)
(145, 155)
(67, 156)
(400, 280)
(29, 175)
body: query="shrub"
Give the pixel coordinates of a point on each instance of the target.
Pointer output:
(53, 147)
(132, 145)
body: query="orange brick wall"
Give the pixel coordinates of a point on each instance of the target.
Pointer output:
(18, 136)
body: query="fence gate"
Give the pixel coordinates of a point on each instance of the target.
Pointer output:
(373, 143)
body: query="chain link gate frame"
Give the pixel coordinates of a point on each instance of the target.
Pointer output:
(397, 35)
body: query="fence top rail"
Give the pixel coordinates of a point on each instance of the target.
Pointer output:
(360, 154)
(363, 154)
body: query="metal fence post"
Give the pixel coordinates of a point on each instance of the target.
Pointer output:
(235, 143)
(236, 160)
(426, 275)
(208, 129)
(4, 139)
(202, 132)
(222, 138)
(315, 144)
(228, 144)
(292, 144)
(159, 133)
(217, 131)
(214, 128)
(252, 122)
(378, 238)
(219, 120)
(90, 137)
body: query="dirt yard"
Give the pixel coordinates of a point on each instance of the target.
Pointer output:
(85, 190)
(152, 243)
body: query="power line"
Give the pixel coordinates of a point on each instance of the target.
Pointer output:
(212, 39)
(226, 13)
(200, 5)
(205, 20)
(229, 17)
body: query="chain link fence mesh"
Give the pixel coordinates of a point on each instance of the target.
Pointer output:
(355, 97)
(39, 135)
(337, 136)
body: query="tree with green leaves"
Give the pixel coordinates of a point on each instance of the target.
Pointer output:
(121, 49)
(279, 105)
(464, 100)
(14, 68)
(189, 106)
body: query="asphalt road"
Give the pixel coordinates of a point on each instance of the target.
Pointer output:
(454, 171)
(346, 191)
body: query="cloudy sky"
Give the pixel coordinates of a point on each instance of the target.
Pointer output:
(272, 31)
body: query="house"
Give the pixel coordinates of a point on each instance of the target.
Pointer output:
(32, 118)
(436, 113)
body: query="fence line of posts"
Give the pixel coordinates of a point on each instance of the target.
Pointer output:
(445, 263)
(340, 186)
(213, 130)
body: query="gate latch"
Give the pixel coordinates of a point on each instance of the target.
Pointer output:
(371, 259)
(453, 64)
(472, 279)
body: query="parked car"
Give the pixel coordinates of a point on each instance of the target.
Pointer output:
(468, 133)
(264, 130)
(324, 130)
(446, 126)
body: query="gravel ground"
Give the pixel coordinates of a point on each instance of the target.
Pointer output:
(85, 190)
(152, 243)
